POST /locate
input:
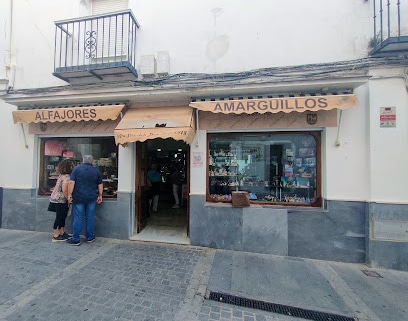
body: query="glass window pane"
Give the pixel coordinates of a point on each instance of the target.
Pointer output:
(103, 150)
(274, 168)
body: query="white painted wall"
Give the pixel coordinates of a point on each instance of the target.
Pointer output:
(4, 25)
(216, 36)
(199, 174)
(126, 168)
(211, 36)
(389, 146)
(33, 40)
(17, 161)
(346, 166)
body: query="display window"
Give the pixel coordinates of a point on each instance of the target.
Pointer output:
(103, 150)
(281, 168)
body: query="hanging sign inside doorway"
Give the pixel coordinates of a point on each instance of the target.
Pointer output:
(388, 117)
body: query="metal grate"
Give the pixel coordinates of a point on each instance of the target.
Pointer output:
(371, 273)
(278, 308)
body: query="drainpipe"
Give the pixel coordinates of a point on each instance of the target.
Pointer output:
(9, 65)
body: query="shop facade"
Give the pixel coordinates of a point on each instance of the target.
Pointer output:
(281, 159)
(304, 160)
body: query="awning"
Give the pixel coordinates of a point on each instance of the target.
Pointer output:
(68, 114)
(278, 104)
(140, 124)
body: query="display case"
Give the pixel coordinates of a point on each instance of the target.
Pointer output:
(54, 150)
(270, 171)
(109, 169)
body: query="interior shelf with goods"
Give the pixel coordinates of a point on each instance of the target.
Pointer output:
(108, 167)
(270, 174)
(54, 151)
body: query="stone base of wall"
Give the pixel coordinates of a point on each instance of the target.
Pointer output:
(354, 232)
(339, 232)
(388, 236)
(24, 210)
(252, 229)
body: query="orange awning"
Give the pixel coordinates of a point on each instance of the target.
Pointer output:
(68, 114)
(279, 104)
(140, 124)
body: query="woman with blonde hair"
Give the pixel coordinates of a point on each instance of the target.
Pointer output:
(59, 199)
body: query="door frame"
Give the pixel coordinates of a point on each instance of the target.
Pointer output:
(140, 185)
(141, 164)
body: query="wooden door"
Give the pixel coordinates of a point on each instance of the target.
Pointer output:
(188, 190)
(141, 201)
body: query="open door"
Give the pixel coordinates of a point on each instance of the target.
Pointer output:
(186, 193)
(168, 220)
(141, 202)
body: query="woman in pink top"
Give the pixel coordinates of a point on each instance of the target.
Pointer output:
(59, 198)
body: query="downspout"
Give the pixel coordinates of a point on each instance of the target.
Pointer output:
(197, 129)
(9, 65)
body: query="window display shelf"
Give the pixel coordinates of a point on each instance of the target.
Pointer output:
(274, 168)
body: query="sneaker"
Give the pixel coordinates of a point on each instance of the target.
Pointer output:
(176, 206)
(66, 236)
(59, 238)
(72, 242)
(90, 241)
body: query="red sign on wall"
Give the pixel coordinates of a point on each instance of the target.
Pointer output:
(388, 117)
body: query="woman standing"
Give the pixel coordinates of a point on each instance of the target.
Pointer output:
(59, 197)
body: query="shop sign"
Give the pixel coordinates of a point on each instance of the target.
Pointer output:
(68, 114)
(388, 117)
(276, 105)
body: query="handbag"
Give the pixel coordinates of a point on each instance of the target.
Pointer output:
(52, 207)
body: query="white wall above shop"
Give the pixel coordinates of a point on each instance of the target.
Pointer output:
(224, 36)
(346, 156)
(17, 161)
(388, 146)
(206, 36)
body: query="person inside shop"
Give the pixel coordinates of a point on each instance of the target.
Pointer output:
(176, 178)
(59, 200)
(153, 182)
(84, 192)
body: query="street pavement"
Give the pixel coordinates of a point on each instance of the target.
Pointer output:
(129, 280)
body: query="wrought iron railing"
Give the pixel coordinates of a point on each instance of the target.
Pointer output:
(390, 26)
(96, 42)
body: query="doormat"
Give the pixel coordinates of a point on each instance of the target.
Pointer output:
(278, 308)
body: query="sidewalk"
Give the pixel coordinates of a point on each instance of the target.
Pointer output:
(129, 280)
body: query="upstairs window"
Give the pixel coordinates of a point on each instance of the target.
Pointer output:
(107, 6)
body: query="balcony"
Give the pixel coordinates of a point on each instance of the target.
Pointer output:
(390, 28)
(96, 48)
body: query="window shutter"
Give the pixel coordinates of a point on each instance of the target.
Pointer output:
(111, 39)
(105, 6)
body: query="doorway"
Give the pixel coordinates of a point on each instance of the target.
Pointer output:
(163, 221)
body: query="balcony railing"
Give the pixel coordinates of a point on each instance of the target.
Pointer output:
(96, 48)
(390, 28)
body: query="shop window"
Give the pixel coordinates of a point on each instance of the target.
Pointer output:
(274, 168)
(103, 150)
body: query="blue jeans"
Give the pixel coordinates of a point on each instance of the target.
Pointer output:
(78, 211)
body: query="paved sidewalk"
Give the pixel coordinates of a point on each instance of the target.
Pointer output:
(129, 280)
